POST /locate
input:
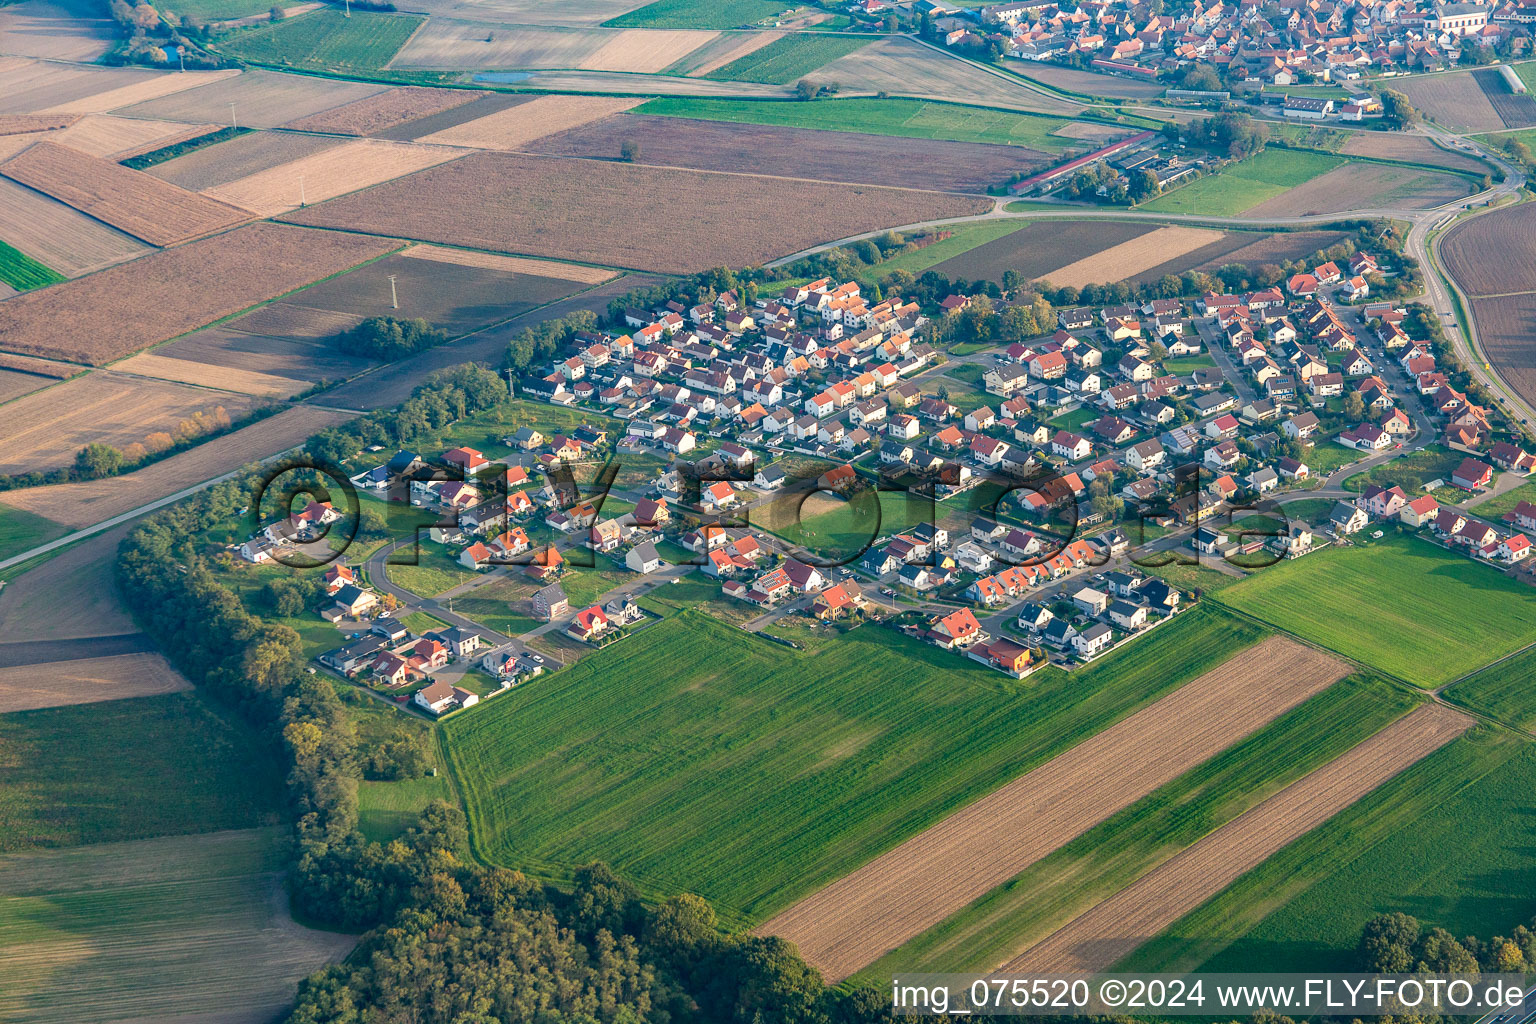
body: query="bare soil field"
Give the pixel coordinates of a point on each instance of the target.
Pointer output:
(458, 297)
(102, 135)
(1512, 234)
(508, 264)
(165, 83)
(796, 152)
(262, 99)
(1132, 257)
(646, 50)
(1357, 186)
(1038, 247)
(141, 205)
(1414, 148)
(71, 595)
(1505, 328)
(578, 13)
(1090, 82)
(1249, 247)
(126, 308)
(444, 43)
(1452, 98)
(14, 384)
(383, 111)
(517, 126)
(1516, 110)
(21, 124)
(1089, 131)
(86, 681)
(45, 430)
(239, 157)
(902, 892)
(587, 211)
(222, 378)
(488, 103)
(71, 30)
(1110, 931)
(289, 321)
(331, 172)
(904, 67)
(91, 501)
(723, 49)
(278, 357)
(31, 87)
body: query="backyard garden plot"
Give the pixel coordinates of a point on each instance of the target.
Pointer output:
(333, 171)
(125, 308)
(913, 119)
(45, 430)
(240, 157)
(87, 680)
(515, 127)
(795, 152)
(905, 67)
(164, 83)
(325, 40)
(223, 378)
(1246, 184)
(736, 746)
(585, 210)
(1115, 928)
(177, 765)
(789, 58)
(58, 31)
(918, 884)
(1097, 864)
(1302, 910)
(131, 201)
(1402, 605)
(262, 99)
(1132, 257)
(1357, 186)
(1452, 98)
(86, 502)
(700, 13)
(182, 928)
(383, 111)
(1035, 248)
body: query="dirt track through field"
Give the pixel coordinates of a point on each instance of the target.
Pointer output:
(913, 887)
(1113, 929)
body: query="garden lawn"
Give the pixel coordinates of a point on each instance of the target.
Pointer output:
(325, 40)
(1410, 472)
(1447, 841)
(434, 572)
(22, 272)
(789, 58)
(1246, 184)
(1497, 507)
(1109, 856)
(717, 14)
(916, 119)
(1402, 605)
(131, 769)
(695, 757)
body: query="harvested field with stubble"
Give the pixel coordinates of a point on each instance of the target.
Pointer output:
(725, 48)
(508, 264)
(331, 172)
(916, 885)
(1041, 246)
(585, 210)
(796, 152)
(277, 357)
(165, 83)
(134, 202)
(475, 45)
(905, 67)
(1452, 98)
(290, 321)
(1131, 257)
(383, 111)
(1364, 186)
(31, 87)
(515, 127)
(222, 378)
(87, 680)
(122, 309)
(59, 236)
(45, 430)
(240, 157)
(22, 124)
(69, 596)
(262, 99)
(1113, 929)
(102, 135)
(488, 103)
(1249, 247)
(1418, 149)
(92, 501)
(14, 384)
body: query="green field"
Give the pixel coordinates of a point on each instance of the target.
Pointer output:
(1109, 856)
(325, 40)
(178, 928)
(1447, 841)
(1505, 691)
(1246, 184)
(718, 14)
(695, 756)
(130, 769)
(21, 531)
(915, 119)
(22, 272)
(838, 529)
(1402, 605)
(788, 58)
(216, 10)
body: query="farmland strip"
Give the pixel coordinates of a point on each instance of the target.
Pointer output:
(903, 892)
(1130, 258)
(509, 264)
(1113, 929)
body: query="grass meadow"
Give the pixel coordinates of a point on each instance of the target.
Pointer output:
(326, 40)
(1245, 184)
(22, 272)
(1448, 841)
(1402, 605)
(694, 756)
(1110, 856)
(22, 531)
(1505, 691)
(789, 58)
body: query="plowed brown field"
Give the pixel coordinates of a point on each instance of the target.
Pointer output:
(86, 681)
(907, 890)
(384, 110)
(1113, 929)
(517, 126)
(60, 236)
(138, 203)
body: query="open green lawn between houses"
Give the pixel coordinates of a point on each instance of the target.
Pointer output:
(695, 756)
(1402, 605)
(789, 58)
(1111, 855)
(1246, 183)
(840, 529)
(1410, 472)
(1448, 841)
(325, 40)
(1495, 508)
(916, 119)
